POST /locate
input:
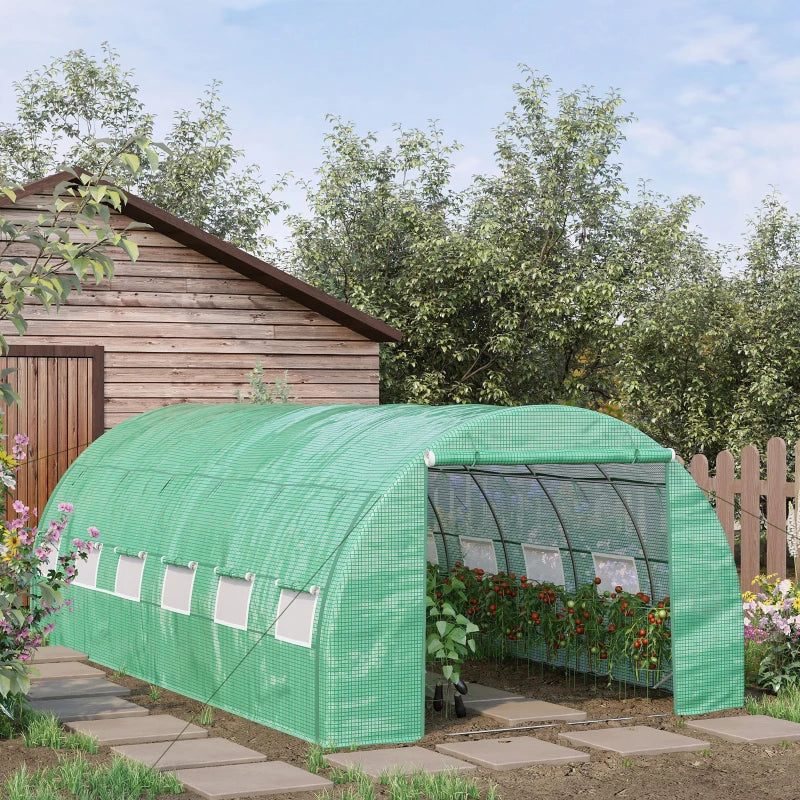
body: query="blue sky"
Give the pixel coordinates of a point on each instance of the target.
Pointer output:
(715, 85)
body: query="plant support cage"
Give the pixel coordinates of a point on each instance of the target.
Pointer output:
(271, 559)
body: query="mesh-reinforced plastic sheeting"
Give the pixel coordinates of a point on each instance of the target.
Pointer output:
(334, 503)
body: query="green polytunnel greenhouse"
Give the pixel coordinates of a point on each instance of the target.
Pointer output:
(272, 559)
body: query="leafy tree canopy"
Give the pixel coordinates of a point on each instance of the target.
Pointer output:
(78, 111)
(548, 281)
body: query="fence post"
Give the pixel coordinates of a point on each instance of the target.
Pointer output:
(751, 515)
(698, 469)
(723, 484)
(776, 507)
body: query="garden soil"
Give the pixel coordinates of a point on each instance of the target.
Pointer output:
(726, 771)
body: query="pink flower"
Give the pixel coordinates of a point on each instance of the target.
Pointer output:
(65, 507)
(22, 440)
(79, 543)
(41, 553)
(19, 507)
(93, 532)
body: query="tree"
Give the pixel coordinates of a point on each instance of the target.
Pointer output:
(511, 291)
(768, 287)
(79, 111)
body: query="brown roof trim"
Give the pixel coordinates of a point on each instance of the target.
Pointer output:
(230, 256)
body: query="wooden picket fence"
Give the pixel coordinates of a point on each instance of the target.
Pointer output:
(762, 503)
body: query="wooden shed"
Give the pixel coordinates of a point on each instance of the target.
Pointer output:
(185, 323)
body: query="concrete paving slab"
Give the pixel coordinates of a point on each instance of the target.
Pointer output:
(635, 740)
(244, 780)
(514, 752)
(403, 760)
(759, 728)
(189, 754)
(523, 712)
(138, 730)
(75, 687)
(65, 669)
(476, 693)
(52, 654)
(72, 709)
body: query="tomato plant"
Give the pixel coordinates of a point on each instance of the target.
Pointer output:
(474, 614)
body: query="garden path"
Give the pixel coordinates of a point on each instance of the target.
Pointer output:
(218, 769)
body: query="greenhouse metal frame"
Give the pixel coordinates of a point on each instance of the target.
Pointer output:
(271, 559)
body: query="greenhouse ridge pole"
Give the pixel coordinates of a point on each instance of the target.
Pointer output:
(494, 517)
(633, 522)
(560, 521)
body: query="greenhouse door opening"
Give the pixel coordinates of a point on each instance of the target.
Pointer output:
(590, 532)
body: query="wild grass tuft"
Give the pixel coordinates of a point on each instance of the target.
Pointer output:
(349, 774)
(15, 717)
(154, 692)
(418, 786)
(315, 759)
(207, 716)
(75, 778)
(785, 705)
(44, 730)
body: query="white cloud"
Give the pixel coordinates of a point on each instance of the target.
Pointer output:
(651, 138)
(725, 43)
(708, 96)
(785, 71)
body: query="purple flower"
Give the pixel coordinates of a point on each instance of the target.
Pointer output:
(93, 532)
(65, 507)
(22, 440)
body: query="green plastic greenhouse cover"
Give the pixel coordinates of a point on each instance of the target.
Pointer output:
(323, 517)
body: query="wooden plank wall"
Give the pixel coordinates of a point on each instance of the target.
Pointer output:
(179, 327)
(60, 409)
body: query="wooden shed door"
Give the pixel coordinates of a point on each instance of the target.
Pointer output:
(61, 410)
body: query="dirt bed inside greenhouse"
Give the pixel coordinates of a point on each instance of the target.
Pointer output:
(727, 770)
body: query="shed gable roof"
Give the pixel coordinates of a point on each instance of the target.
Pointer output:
(236, 259)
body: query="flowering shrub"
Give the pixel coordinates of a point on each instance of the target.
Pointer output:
(772, 620)
(610, 631)
(31, 577)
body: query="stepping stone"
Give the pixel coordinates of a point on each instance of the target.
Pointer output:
(486, 694)
(403, 760)
(478, 693)
(513, 753)
(72, 709)
(636, 740)
(66, 669)
(59, 688)
(244, 780)
(138, 730)
(759, 728)
(522, 712)
(189, 754)
(52, 654)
